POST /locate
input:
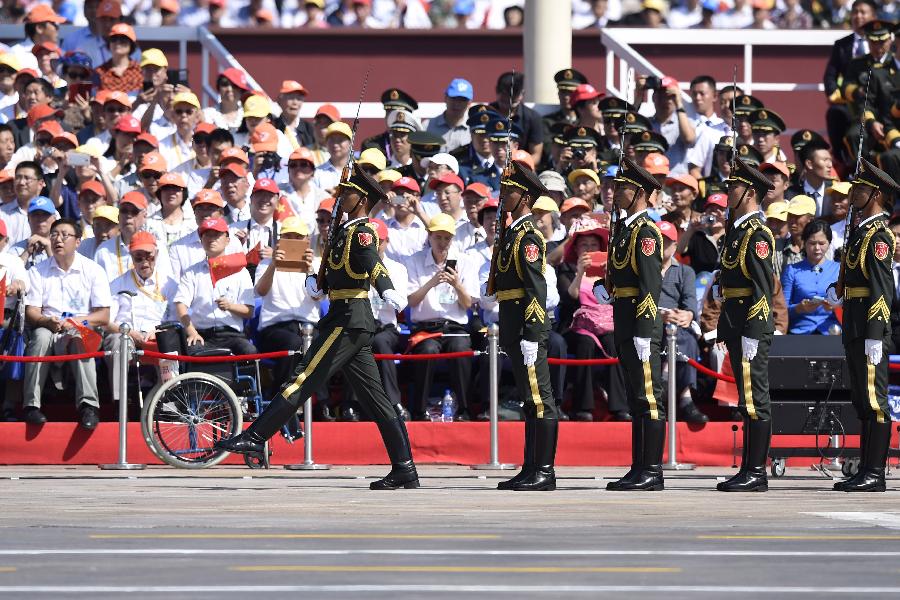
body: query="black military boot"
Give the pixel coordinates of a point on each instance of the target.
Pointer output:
(744, 462)
(864, 428)
(253, 440)
(527, 460)
(403, 469)
(650, 476)
(637, 455)
(872, 479)
(753, 479)
(542, 478)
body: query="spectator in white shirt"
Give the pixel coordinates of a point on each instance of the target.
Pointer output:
(448, 190)
(103, 226)
(28, 183)
(151, 169)
(302, 194)
(36, 248)
(178, 148)
(337, 142)
(12, 271)
(186, 252)
(286, 306)
(235, 190)
(408, 233)
(229, 113)
(260, 231)
(441, 290)
(212, 314)
(197, 170)
(686, 15)
(471, 233)
(65, 286)
(175, 218)
(112, 255)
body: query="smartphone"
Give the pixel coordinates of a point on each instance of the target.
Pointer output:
(78, 159)
(818, 299)
(451, 264)
(80, 89)
(148, 85)
(597, 268)
(177, 76)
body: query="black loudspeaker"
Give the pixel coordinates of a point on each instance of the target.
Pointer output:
(808, 363)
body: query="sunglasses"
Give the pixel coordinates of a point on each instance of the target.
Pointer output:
(184, 111)
(301, 165)
(323, 220)
(150, 175)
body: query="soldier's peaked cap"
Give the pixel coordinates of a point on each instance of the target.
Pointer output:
(525, 179)
(364, 183)
(632, 173)
(569, 79)
(744, 173)
(395, 98)
(872, 176)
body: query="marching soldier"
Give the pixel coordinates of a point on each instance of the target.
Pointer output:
(868, 293)
(521, 290)
(745, 286)
(634, 278)
(345, 337)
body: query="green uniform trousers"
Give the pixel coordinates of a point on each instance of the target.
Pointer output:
(533, 383)
(752, 379)
(349, 351)
(868, 383)
(643, 380)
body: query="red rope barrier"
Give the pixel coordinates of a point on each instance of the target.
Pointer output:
(710, 372)
(894, 366)
(584, 362)
(284, 353)
(60, 358)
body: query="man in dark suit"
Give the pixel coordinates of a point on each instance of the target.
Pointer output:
(844, 50)
(894, 226)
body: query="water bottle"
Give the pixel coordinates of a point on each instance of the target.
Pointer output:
(448, 407)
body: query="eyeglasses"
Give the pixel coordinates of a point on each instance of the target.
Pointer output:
(116, 109)
(150, 175)
(141, 258)
(25, 178)
(61, 235)
(301, 165)
(184, 111)
(323, 220)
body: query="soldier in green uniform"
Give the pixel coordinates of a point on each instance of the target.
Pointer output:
(391, 99)
(634, 278)
(867, 293)
(744, 286)
(521, 290)
(860, 70)
(345, 337)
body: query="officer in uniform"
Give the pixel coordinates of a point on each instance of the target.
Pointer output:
(392, 99)
(579, 149)
(345, 337)
(613, 111)
(477, 153)
(567, 81)
(744, 285)
(422, 144)
(867, 294)
(634, 280)
(767, 126)
(498, 130)
(521, 290)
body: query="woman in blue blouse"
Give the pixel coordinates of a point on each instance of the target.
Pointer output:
(805, 282)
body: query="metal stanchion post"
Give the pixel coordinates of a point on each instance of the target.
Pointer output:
(123, 356)
(493, 340)
(671, 354)
(308, 463)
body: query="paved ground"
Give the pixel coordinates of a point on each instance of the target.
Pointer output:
(234, 533)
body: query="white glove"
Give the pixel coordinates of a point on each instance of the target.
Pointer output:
(312, 288)
(749, 346)
(602, 295)
(642, 345)
(831, 296)
(529, 352)
(484, 293)
(874, 348)
(395, 299)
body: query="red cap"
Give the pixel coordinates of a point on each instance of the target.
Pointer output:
(6, 175)
(29, 72)
(109, 8)
(142, 240)
(153, 161)
(208, 196)
(214, 224)
(407, 183)
(489, 203)
(330, 111)
(448, 178)
(117, 96)
(128, 124)
(327, 205)
(204, 128)
(41, 111)
(43, 13)
(584, 92)
(523, 157)
(289, 86)
(93, 186)
(44, 47)
(266, 185)
(134, 198)
(381, 228)
(684, 179)
(303, 153)
(668, 230)
(124, 30)
(51, 127)
(149, 138)
(170, 6)
(65, 136)
(264, 138)
(717, 200)
(235, 169)
(668, 82)
(172, 179)
(233, 153)
(478, 188)
(237, 77)
(2, 228)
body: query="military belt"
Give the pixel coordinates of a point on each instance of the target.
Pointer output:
(347, 294)
(626, 292)
(733, 292)
(515, 294)
(856, 292)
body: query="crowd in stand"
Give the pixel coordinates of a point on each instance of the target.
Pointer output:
(125, 200)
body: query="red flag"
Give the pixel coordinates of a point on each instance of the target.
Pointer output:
(283, 209)
(225, 265)
(90, 337)
(417, 338)
(253, 256)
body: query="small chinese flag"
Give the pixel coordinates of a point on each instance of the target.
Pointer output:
(90, 337)
(283, 209)
(417, 338)
(225, 265)
(253, 256)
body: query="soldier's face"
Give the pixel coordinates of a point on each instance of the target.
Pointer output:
(764, 141)
(860, 195)
(349, 200)
(880, 47)
(624, 194)
(737, 192)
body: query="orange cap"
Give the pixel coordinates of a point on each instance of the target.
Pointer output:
(117, 96)
(172, 179)
(154, 161)
(289, 86)
(302, 153)
(109, 8)
(573, 202)
(234, 168)
(65, 136)
(233, 153)
(327, 205)
(43, 13)
(524, 157)
(124, 30)
(208, 196)
(656, 164)
(204, 128)
(93, 186)
(264, 138)
(142, 240)
(134, 198)
(685, 179)
(170, 6)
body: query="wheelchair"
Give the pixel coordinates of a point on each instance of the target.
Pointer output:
(185, 416)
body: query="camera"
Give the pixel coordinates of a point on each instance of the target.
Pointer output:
(578, 153)
(269, 161)
(707, 220)
(652, 82)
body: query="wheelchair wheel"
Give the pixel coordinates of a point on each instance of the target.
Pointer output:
(187, 416)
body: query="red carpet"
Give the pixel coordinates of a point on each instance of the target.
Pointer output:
(580, 444)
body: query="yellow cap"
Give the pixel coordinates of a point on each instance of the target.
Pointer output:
(777, 210)
(841, 187)
(339, 127)
(105, 211)
(801, 205)
(257, 106)
(91, 149)
(186, 98)
(294, 225)
(9, 59)
(373, 157)
(442, 222)
(388, 175)
(154, 57)
(583, 173)
(545, 203)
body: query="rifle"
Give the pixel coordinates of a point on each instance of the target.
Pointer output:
(729, 223)
(501, 220)
(615, 223)
(839, 284)
(337, 211)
